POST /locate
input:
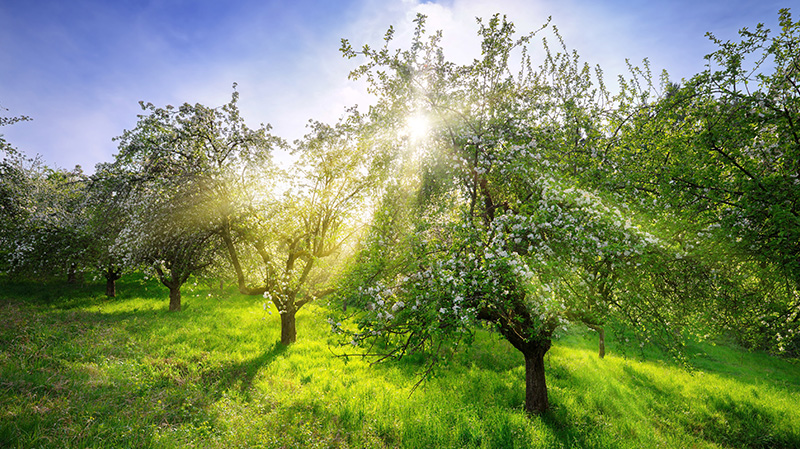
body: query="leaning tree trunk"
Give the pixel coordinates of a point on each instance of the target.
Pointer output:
(536, 401)
(237, 266)
(516, 327)
(288, 327)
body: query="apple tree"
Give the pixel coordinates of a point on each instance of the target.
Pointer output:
(297, 235)
(486, 228)
(176, 171)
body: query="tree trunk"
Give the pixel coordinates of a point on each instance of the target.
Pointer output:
(234, 257)
(175, 299)
(515, 327)
(288, 327)
(601, 333)
(535, 384)
(72, 277)
(112, 276)
(237, 266)
(111, 287)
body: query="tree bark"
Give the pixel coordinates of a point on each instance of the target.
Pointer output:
(234, 256)
(241, 282)
(515, 327)
(601, 336)
(111, 287)
(112, 276)
(173, 283)
(601, 333)
(536, 401)
(174, 298)
(288, 327)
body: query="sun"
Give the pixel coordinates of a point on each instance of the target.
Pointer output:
(417, 127)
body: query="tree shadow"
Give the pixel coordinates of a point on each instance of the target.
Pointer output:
(583, 408)
(51, 293)
(231, 375)
(722, 419)
(111, 365)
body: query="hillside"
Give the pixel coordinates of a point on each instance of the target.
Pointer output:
(79, 370)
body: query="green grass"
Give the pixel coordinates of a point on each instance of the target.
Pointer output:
(79, 370)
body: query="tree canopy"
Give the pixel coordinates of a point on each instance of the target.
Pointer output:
(498, 233)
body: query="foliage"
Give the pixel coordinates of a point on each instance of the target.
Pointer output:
(12, 201)
(175, 170)
(12, 183)
(297, 234)
(42, 221)
(534, 199)
(719, 155)
(498, 235)
(44, 229)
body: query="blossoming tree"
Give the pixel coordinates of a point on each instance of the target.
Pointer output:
(175, 172)
(294, 236)
(485, 229)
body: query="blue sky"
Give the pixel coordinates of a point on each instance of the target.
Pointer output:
(80, 67)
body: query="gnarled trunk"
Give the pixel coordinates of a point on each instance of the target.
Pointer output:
(516, 327)
(173, 282)
(536, 401)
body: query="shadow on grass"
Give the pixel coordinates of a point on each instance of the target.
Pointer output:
(721, 419)
(80, 377)
(744, 424)
(228, 376)
(52, 293)
(59, 294)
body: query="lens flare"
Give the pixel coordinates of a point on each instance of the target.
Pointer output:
(417, 127)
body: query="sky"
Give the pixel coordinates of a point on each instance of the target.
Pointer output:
(79, 68)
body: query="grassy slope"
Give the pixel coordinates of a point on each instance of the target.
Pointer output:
(77, 370)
